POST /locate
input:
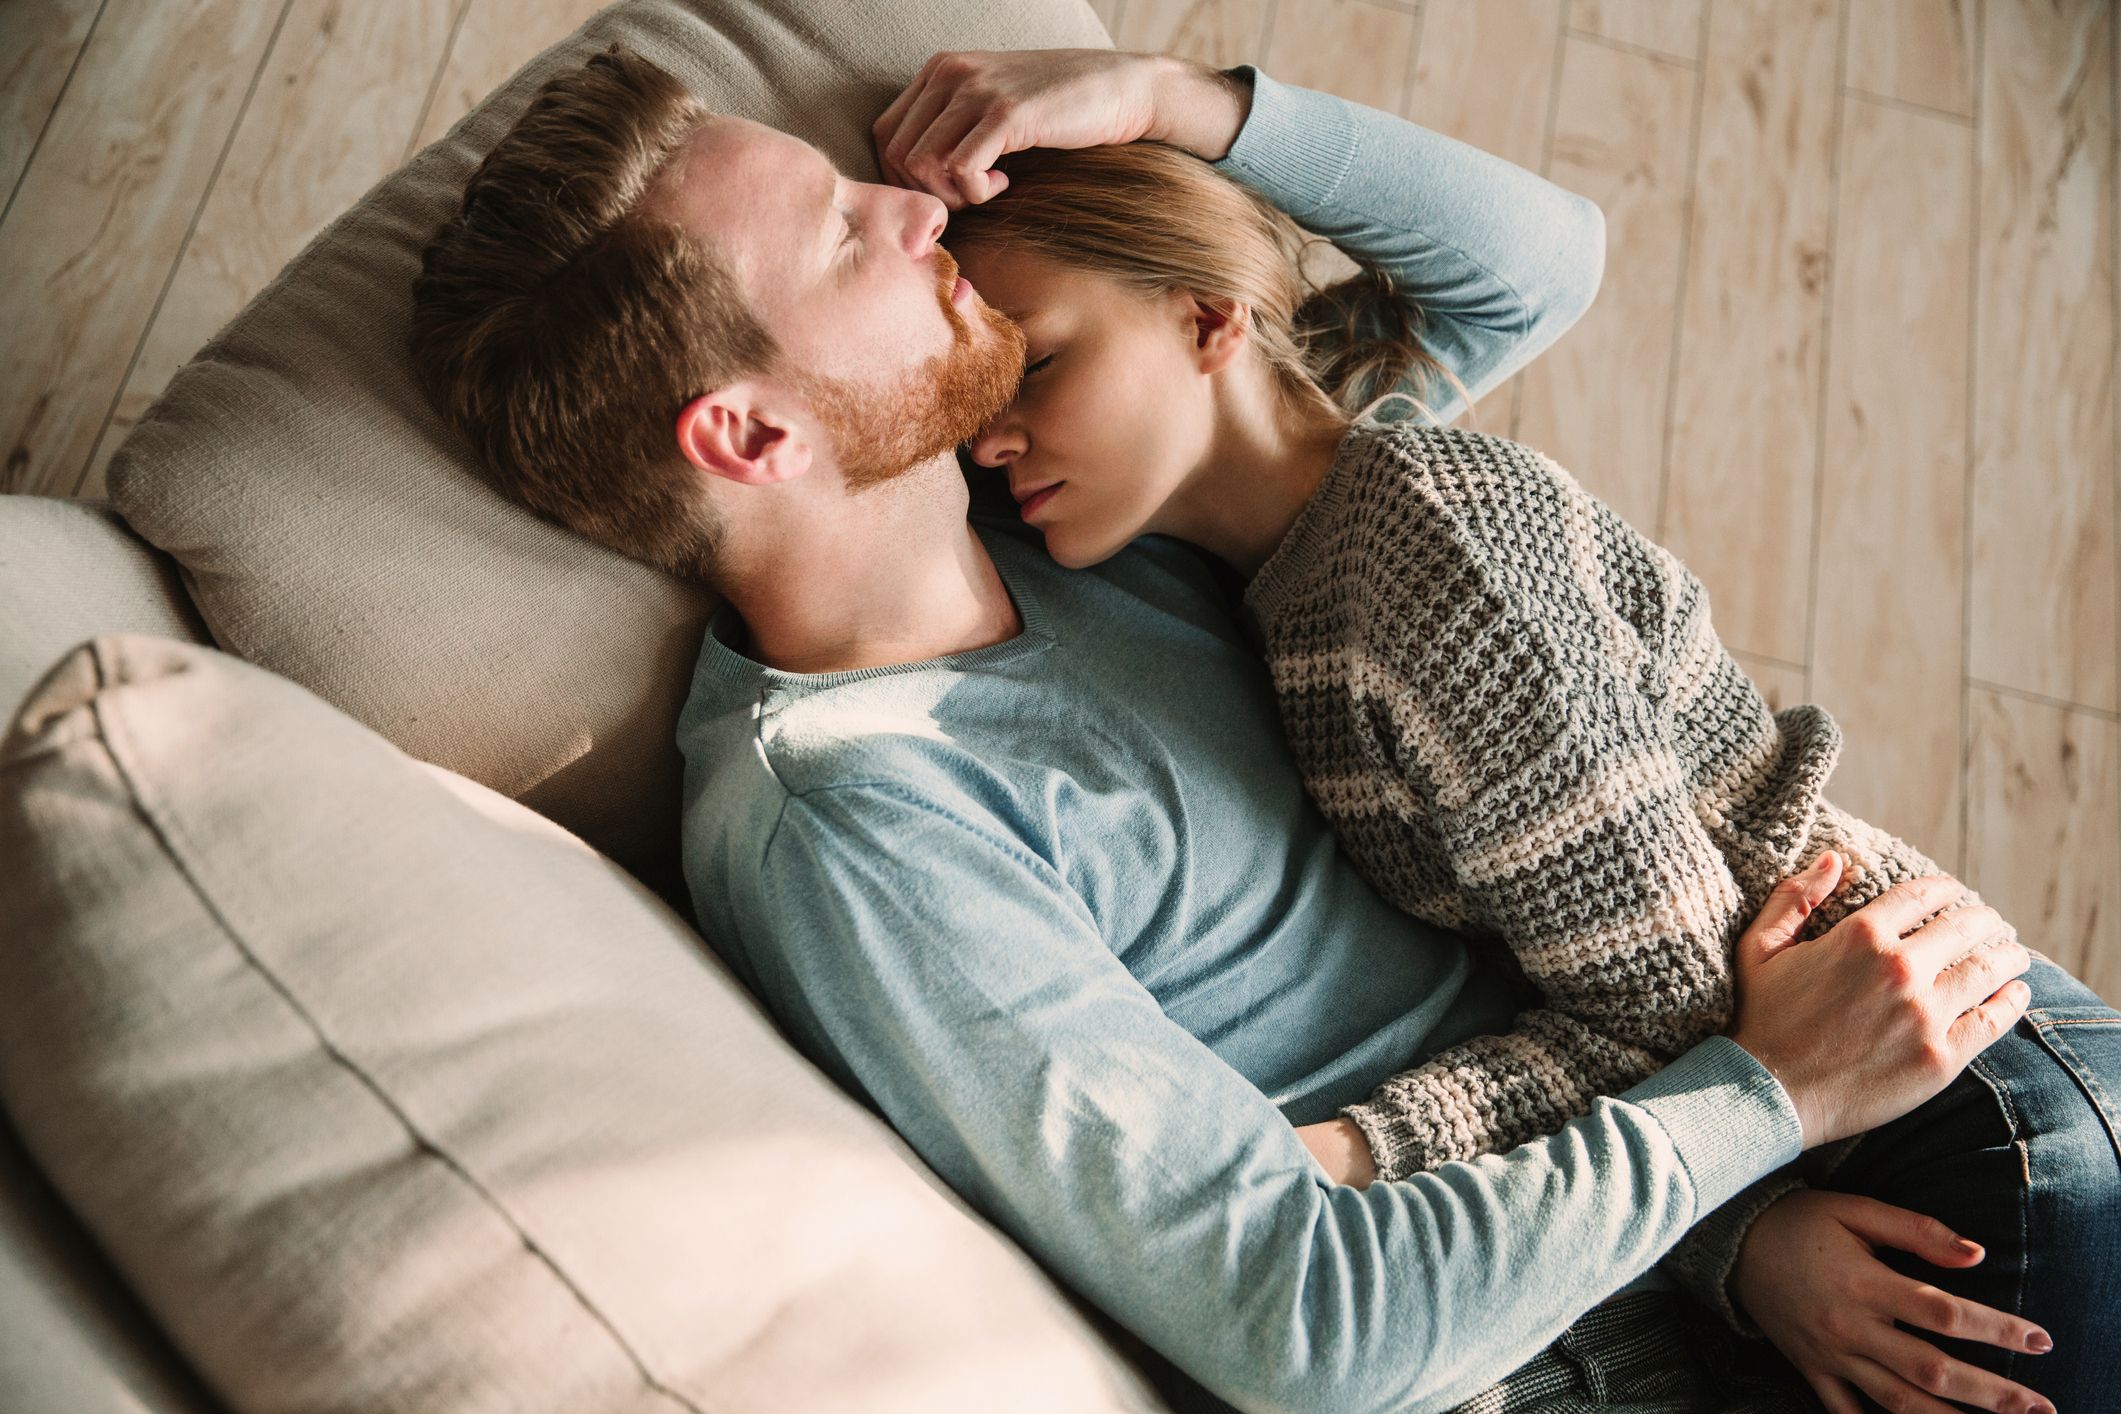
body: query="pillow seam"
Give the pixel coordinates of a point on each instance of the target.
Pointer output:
(168, 830)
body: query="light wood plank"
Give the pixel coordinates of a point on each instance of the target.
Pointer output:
(1108, 13)
(1744, 442)
(1223, 33)
(2042, 783)
(340, 95)
(101, 214)
(1347, 47)
(1484, 74)
(1595, 401)
(2043, 545)
(494, 39)
(39, 42)
(1780, 683)
(1887, 656)
(1918, 51)
(1669, 26)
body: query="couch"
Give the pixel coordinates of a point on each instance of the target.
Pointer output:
(358, 1048)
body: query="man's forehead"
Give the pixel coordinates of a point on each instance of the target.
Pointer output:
(757, 188)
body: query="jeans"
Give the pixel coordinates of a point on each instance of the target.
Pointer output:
(2020, 1153)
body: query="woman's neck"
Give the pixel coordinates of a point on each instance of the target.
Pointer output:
(1262, 467)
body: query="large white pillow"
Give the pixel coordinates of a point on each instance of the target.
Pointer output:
(384, 1093)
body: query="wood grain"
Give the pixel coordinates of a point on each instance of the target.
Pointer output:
(2042, 834)
(1596, 401)
(39, 42)
(1744, 443)
(101, 215)
(2043, 513)
(1918, 51)
(1671, 27)
(340, 94)
(1887, 638)
(1223, 33)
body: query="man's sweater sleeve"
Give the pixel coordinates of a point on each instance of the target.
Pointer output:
(937, 966)
(1498, 260)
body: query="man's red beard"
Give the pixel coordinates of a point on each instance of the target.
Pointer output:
(882, 433)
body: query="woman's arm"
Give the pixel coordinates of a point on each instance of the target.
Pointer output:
(1500, 260)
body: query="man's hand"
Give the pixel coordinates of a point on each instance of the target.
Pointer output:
(1341, 1150)
(1862, 1024)
(1808, 1276)
(966, 109)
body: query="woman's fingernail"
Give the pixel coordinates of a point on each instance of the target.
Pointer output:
(2039, 1342)
(1966, 1245)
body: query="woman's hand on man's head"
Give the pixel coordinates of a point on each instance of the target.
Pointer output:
(966, 109)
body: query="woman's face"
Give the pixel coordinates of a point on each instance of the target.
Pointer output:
(1114, 412)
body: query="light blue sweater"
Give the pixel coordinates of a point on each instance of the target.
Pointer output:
(1060, 911)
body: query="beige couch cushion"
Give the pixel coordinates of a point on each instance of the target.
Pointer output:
(332, 531)
(69, 569)
(385, 1093)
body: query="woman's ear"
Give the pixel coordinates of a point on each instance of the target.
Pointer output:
(733, 433)
(1219, 329)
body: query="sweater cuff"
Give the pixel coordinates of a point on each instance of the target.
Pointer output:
(1728, 1116)
(1296, 145)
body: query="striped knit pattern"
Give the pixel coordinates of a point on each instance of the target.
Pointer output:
(1513, 711)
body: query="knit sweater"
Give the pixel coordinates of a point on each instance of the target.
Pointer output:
(1513, 711)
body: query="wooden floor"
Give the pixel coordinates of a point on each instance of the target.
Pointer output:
(1853, 360)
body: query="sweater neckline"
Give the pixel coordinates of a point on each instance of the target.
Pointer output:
(1315, 529)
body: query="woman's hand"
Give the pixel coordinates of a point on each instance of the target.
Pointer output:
(1341, 1150)
(966, 108)
(1807, 1276)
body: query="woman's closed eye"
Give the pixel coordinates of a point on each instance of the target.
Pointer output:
(1037, 366)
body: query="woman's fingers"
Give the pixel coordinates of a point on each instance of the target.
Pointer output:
(939, 159)
(1918, 1363)
(886, 127)
(1892, 1392)
(1834, 1394)
(935, 95)
(1918, 1303)
(1905, 1229)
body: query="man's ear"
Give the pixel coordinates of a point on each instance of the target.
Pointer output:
(731, 432)
(1219, 331)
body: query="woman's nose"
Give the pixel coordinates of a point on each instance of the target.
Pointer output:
(997, 446)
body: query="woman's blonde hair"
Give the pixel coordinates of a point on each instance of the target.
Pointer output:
(1158, 219)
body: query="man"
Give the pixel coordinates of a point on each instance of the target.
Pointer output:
(1018, 854)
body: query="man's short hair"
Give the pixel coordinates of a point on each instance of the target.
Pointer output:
(561, 330)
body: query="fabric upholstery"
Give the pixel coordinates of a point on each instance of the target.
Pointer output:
(385, 1093)
(69, 569)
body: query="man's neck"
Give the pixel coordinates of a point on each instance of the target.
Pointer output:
(913, 583)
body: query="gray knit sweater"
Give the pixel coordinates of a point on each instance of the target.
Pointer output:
(1513, 711)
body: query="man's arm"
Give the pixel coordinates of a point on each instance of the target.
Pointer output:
(1499, 260)
(935, 965)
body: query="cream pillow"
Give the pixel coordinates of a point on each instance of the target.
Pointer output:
(384, 1093)
(330, 529)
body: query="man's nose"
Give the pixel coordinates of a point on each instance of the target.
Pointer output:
(924, 223)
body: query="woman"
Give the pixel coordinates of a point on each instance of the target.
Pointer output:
(1509, 704)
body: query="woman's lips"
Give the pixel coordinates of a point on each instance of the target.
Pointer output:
(1039, 499)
